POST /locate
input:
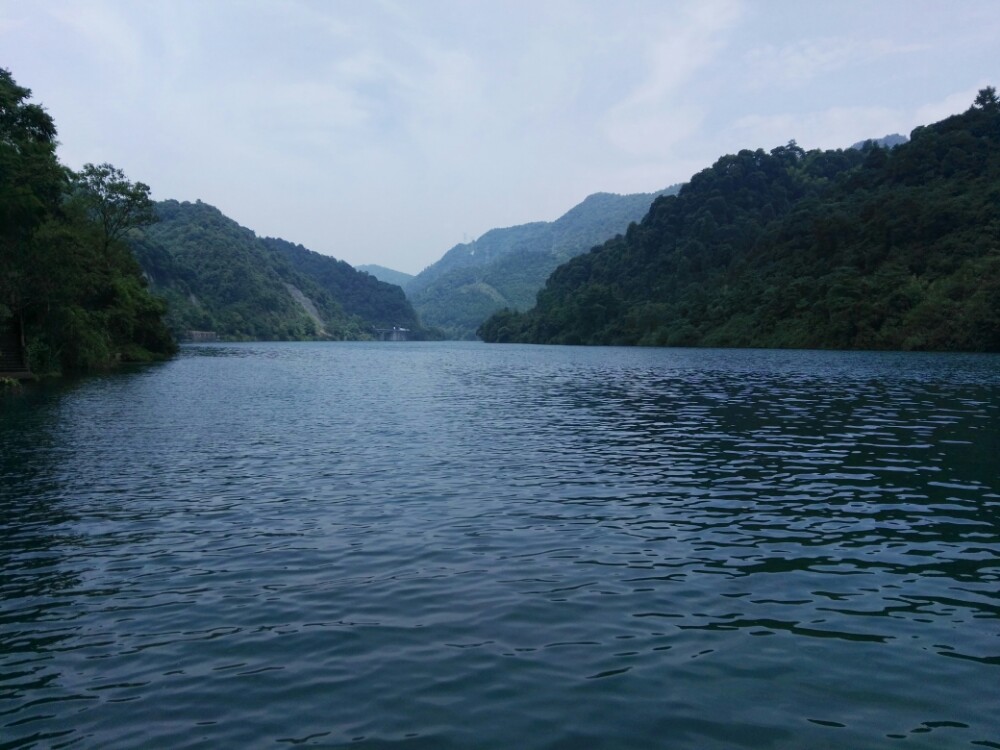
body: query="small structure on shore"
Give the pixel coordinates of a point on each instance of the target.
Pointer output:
(393, 334)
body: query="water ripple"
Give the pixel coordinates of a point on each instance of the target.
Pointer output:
(454, 546)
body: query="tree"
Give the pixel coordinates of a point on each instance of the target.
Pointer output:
(113, 202)
(791, 152)
(987, 99)
(65, 273)
(31, 185)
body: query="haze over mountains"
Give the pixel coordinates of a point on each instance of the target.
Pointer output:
(388, 275)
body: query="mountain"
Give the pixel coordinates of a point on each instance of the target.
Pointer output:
(506, 267)
(361, 294)
(387, 275)
(887, 141)
(219, 276)
(877, 249)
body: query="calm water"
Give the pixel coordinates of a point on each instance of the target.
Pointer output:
(463, 546)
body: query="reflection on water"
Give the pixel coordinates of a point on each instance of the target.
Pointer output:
(450, 545)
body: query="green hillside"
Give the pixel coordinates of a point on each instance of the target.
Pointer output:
(873, 249)
(360, 294)
(219, 276)
(507, 267)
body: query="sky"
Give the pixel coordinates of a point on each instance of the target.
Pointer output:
(387, 131)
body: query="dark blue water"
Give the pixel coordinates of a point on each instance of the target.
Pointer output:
(463, 546)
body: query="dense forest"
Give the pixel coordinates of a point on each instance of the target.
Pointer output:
(506, 267)
(219, 276)
(872, 249)
(67, 278)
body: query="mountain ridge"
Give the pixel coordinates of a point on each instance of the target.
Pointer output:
(219, 276)
(506, 266)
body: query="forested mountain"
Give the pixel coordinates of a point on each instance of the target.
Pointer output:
(67, 280)
(387, 275)
(219, 276)
(873, 249)
(361, 294)
(507, 267)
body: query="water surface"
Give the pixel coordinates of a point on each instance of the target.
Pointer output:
(465, 546)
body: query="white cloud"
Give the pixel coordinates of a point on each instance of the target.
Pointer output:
(9, 25)
(804, 60)
(656, 115)
(950, 105)
(836, 127)
(111, 37)
(840, 127)
(313, 119)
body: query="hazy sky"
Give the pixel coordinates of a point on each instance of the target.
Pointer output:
(387, 131)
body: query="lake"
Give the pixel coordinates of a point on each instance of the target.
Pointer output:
(455, 545)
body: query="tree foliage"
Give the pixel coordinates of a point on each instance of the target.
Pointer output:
(112, 201)
(873, 249)
(74, 285)
(987, 99)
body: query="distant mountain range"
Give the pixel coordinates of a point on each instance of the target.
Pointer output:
(219, 276)
(389, 276)
(505, 268)
(887, 141)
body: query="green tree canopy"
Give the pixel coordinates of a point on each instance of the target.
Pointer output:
(31, 184)
(987, 99)
(112, 201)
(64, 270)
